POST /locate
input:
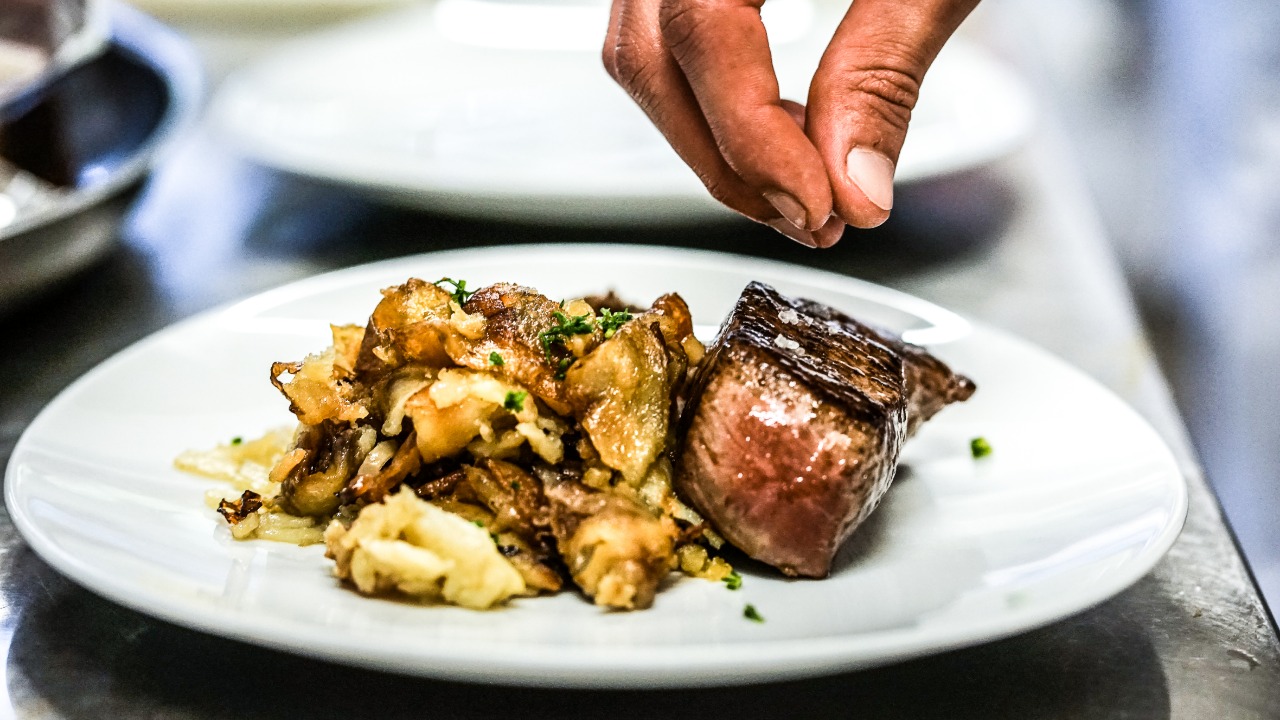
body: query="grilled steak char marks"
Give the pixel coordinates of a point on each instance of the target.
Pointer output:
(794, 425)
(931, 385)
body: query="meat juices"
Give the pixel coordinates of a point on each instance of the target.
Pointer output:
(794, 424)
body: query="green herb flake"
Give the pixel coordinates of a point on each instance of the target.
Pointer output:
(515, 485)
(749, 612)
(237, 440)
(514, 400)
(979, 447)
(733, 580)
(460, 293)
(565, 326)
(496, 360)
(610, 321)
(478, 524)
(562, 367)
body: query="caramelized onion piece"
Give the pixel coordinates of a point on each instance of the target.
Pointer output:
(515, 498)
(332, 454)
(375, 485)
(237, 510)
(521, 519)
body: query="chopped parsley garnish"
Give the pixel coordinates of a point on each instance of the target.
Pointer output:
(496, 360)
(460, 293)
(979, 447)
(515, 485)
(514, 401)
(749, 612)
(733, 580)
(569, 325)
(478, 524)
(237, 440)
(566, 326)
(610, 321)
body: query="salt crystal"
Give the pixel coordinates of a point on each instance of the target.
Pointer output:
(789, 316)
(787, 344)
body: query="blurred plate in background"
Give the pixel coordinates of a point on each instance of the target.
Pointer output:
(237, 11)
(501, 109)
(82, 141)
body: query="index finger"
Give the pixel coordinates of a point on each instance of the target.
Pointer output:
(723, 50)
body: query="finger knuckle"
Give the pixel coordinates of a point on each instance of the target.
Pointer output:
(682, 25)
(730, 192)
(719, 190)
(635, 70)
(887, 92)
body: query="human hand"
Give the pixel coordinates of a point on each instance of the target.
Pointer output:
(703, 72)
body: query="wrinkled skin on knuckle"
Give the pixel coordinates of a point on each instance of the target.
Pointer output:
(879, 84)
(633, 66)
(683, 24)
(887, 93)
(720, 190)
(731, 192)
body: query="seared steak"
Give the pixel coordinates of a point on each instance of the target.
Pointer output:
(793, 426)
(931, 385)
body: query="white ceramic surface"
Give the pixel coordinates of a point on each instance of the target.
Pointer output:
(498, 108)
(1079, 499)
(252, 14)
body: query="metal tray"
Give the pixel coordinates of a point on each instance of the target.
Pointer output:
(81, 142)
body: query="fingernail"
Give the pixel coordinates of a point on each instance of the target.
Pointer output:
(790, 208)
(786, 228)
(873, 174)
(830, 233)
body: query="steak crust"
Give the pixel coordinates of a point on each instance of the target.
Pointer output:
(794, 423)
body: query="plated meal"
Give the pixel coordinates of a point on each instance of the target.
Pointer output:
(473, 446)
(959, 551)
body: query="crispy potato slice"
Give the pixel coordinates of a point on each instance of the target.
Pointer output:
(621, 393)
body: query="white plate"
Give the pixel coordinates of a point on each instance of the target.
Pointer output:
(251, 14)
(1078, 501)
(499, 108)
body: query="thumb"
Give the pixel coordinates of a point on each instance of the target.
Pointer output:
(862, 95)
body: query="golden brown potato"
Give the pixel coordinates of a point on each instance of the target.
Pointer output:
(466, 400)
(405, 327)
(621, 393)
(409, 546)
(517, 323)
(615, 550)
(319, 390)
